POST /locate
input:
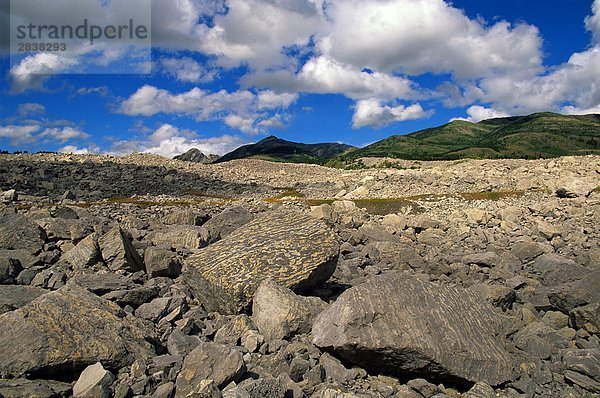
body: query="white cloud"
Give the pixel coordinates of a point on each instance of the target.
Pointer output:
(256, 31)
(34, 70)
(269, 100)
(423, 36)
(242, 110)
(63, 134)
(169, 141)
(186, 70)
(478, 113)
(592, 22)
(31, 109)
(19, 135)
(572, 110)
(373, 113)
(574, 83)
(75, 150)
(323, 75)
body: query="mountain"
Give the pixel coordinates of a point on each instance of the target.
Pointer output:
(278, 150)
(196, 156)
(540, 135)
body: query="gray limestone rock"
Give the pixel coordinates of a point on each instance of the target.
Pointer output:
(295, 250)
(398, 324)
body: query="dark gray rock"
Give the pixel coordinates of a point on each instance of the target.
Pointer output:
(185, 217)
(23, 388)
(179, 344)
(118, 253)
(293, 249)
(209, 361)
(65, 212)
(16, 296)
(583, 368)
(226, 222)
(103, 283)
(263, 387)
(9, 269)
(569, 296)
(279, 313)
(587, 317)
(18, 232)
(134, 297)
(67, 330)
(397, 324)
(495, 294)
(161, 262)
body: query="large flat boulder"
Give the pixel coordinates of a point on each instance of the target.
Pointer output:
(67, 330)
(291, 248)
(19, 232)
(397, 324)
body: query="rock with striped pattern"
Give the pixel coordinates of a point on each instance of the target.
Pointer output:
(289, 247)
(399, 325)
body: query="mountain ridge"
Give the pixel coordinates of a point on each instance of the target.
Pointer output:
(279, 150)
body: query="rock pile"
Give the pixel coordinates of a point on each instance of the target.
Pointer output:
(446, 296)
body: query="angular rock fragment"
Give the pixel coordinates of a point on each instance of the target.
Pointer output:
(226, 222)
(67, 330)
(185, 217)
(279, 313)
(86, 254)
(209, 361)
(23, 388)
(399, 324)
(94, 382)
(118, 253)
(295, 250)
(18, 232)
(161, 262)
(182, 237)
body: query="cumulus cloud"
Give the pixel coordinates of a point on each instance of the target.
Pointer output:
(408, 36)
(34, 70)
(242, 110)
(592, 22)
(478, 113)
(575, 83)
(373, 113)
(75, 150)
(63, 134)
(255, 32)
(19, 135)
(186, 70)
(169, 141)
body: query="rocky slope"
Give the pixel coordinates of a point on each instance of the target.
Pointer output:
(146, 277)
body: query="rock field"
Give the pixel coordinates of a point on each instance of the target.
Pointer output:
(141, 276)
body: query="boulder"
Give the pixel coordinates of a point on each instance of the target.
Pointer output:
(293, 249)
(226, 222)
(583, 368)
(278, 312)
(161, 262)
(9, 269)
(400, 325)
(23, 388)
(94, 382)
(67, 330)
(209, 361)
(86, 254)
(19, 232)
(180, 237)
(16, 296)
(103, 283)
(185, 217)
(118, 253)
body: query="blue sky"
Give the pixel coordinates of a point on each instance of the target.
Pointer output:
(230, 72)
